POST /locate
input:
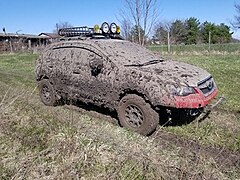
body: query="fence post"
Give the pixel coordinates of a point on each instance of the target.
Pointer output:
(169, 48)
(10, 44)
(209, 42)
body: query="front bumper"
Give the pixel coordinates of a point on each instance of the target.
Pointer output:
(197, 100)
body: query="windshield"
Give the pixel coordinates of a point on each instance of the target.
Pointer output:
(127, 53)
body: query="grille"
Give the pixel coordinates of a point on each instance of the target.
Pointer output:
(207, 86)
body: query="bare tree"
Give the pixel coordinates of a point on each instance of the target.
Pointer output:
(141, 14)
(237, 17)
(126, 29)
(236, 21)
(61, 25)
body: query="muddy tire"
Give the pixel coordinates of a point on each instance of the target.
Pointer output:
(137, 115)
(47, 93)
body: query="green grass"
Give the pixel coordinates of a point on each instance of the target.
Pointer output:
(37, 141)
(200, 48)
(18, 69)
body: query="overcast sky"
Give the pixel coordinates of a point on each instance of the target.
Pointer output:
(36, 16)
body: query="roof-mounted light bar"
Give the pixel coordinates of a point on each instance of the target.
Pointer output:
(105, 29)
(75, 31)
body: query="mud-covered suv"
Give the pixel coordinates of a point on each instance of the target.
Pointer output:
(96, 66)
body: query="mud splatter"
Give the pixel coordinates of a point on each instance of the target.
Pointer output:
(102, 71)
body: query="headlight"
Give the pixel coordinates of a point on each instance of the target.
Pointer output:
(105, 27)
(184, 91)
(113, 28)
(181, 91)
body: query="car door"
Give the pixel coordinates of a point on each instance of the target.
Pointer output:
(61, 62)
(93, 76)
(83, 73)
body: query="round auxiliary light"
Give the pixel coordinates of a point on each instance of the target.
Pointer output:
(118, 30)
(113, 28)
(96, 29)
(105, 27)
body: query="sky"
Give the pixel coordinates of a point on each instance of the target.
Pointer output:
(36, 16)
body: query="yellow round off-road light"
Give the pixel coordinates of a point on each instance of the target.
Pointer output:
(118, 30)
(105, 27)
(113, 28)
(96, 29)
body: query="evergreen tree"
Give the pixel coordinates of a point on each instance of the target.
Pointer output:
(178, 32)
(193, 29)
(219, 33)
(191, 32)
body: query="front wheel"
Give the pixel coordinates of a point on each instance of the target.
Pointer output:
(47, 93)
(137, 115)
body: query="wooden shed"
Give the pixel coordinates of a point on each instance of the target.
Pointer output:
(19, 42)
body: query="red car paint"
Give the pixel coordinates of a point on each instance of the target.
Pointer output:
(196, 100)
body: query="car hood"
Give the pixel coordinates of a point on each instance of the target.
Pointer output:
(175, 72)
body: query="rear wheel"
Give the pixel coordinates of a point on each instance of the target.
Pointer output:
(47, 93)
(137, 115)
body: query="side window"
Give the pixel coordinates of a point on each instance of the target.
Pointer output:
(84, 60)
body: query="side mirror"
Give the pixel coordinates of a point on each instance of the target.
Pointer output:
(96, 66)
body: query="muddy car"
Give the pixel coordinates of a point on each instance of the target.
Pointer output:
(97, 67)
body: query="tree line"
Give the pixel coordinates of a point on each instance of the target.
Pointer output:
(191, 31)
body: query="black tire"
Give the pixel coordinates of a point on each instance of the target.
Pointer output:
(136, 114)
(47, 93)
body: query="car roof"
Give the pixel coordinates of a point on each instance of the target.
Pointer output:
(125, 51)
(122, 51)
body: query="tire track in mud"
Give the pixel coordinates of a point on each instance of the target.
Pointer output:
(223, 157)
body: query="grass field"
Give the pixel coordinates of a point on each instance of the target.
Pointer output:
(233, 48)
(69, 143)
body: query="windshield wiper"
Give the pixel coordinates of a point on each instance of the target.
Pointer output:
(146, 63)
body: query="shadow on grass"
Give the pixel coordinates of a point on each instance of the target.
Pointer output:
(91, 108)
(168, 117)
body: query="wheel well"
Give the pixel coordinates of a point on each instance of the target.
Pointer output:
(129, 91)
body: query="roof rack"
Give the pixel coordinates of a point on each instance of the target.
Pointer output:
(76, 31)
(103, 32)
